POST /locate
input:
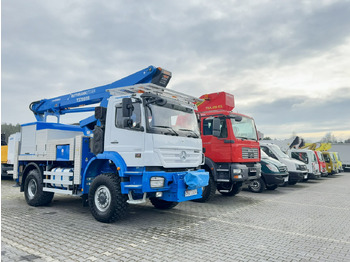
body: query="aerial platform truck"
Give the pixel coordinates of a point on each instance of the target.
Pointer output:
(230, 143)
(132, 149)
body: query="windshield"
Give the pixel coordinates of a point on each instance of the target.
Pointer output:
(263, 154)
(332, 156)
(338, 156)
(278, 151)
(320, 156)
(301, 156)
(244, 129)
(172, 119)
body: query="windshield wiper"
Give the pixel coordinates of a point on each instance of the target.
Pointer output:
(193, 134)
(170, 128)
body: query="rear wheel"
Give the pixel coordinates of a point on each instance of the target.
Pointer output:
(230, 189)
(292, 183)
(208, 191)
(107, 203)
(257, 186)
(162, 204)
(33, 190)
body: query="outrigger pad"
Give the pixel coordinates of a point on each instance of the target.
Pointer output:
(196, 179)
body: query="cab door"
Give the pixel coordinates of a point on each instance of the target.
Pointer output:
(126, 139)
(218, 148)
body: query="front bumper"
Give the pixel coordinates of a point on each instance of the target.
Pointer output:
(297, 176)
(177, 186)
(275, 179)
(314, 176)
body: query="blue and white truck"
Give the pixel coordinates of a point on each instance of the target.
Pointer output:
(141, 143)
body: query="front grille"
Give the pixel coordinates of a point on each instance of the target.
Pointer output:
(250, 153)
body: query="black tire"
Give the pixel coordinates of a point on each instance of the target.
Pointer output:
(208, 191)
(292, 183)
(230, 189)
(271, 187)
(107, 203)
(305, 179)
(257, 186)
(162, 204)
(33, 190)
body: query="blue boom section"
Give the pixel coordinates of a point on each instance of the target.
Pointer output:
(69, 103)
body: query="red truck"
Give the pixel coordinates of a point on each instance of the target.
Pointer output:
(230, 143)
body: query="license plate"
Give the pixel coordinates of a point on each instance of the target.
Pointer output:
(286, 179)
(191, 192)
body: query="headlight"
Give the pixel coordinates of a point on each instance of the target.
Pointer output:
(157, 181)
(236, 171)
(272, 168)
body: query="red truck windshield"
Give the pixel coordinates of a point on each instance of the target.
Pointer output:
(244, 129)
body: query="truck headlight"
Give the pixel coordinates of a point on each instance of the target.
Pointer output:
(157, 181)
(236, 171)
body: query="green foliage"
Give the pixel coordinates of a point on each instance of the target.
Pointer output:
(9, 129)
(267, 138)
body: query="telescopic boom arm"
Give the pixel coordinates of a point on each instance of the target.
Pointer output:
(74, 102)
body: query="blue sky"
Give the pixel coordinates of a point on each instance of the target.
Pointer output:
(286, 62)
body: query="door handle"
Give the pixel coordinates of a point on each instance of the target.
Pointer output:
(115, 142)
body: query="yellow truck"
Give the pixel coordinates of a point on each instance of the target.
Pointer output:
(4, 166)
(331, 163)
(338, 160)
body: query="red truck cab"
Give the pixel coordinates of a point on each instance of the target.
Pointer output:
(321, 163)
(230, 142)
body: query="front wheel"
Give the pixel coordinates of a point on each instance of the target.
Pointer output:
(208, 191)
(107, 203)
(162, 204)
(33, 190)
(229, 189)
(257, 186)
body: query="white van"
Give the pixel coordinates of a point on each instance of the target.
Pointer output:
(297, 170)
(309, 158)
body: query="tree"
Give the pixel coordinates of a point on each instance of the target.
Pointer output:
(347, 140)
(9, 129)
(329, 138)
(267, 138)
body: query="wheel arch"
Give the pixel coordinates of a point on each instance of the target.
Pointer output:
(210, 166)
(29, 167)
(107, 162)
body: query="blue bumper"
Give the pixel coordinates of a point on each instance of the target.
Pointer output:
(177, 186)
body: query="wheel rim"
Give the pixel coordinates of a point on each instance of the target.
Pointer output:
(102, 198)
(32, 188)
(255, 185)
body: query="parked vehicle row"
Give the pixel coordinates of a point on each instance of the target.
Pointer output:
(144, 141)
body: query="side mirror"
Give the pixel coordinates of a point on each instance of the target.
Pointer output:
(127, 106)
(100, 113)
(238, 118)
(216, 127)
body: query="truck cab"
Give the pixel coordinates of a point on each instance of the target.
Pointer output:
(339, 162)
(331, 164)
(309, 158)
(230, 143)
(321, 163)
(297, 170)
